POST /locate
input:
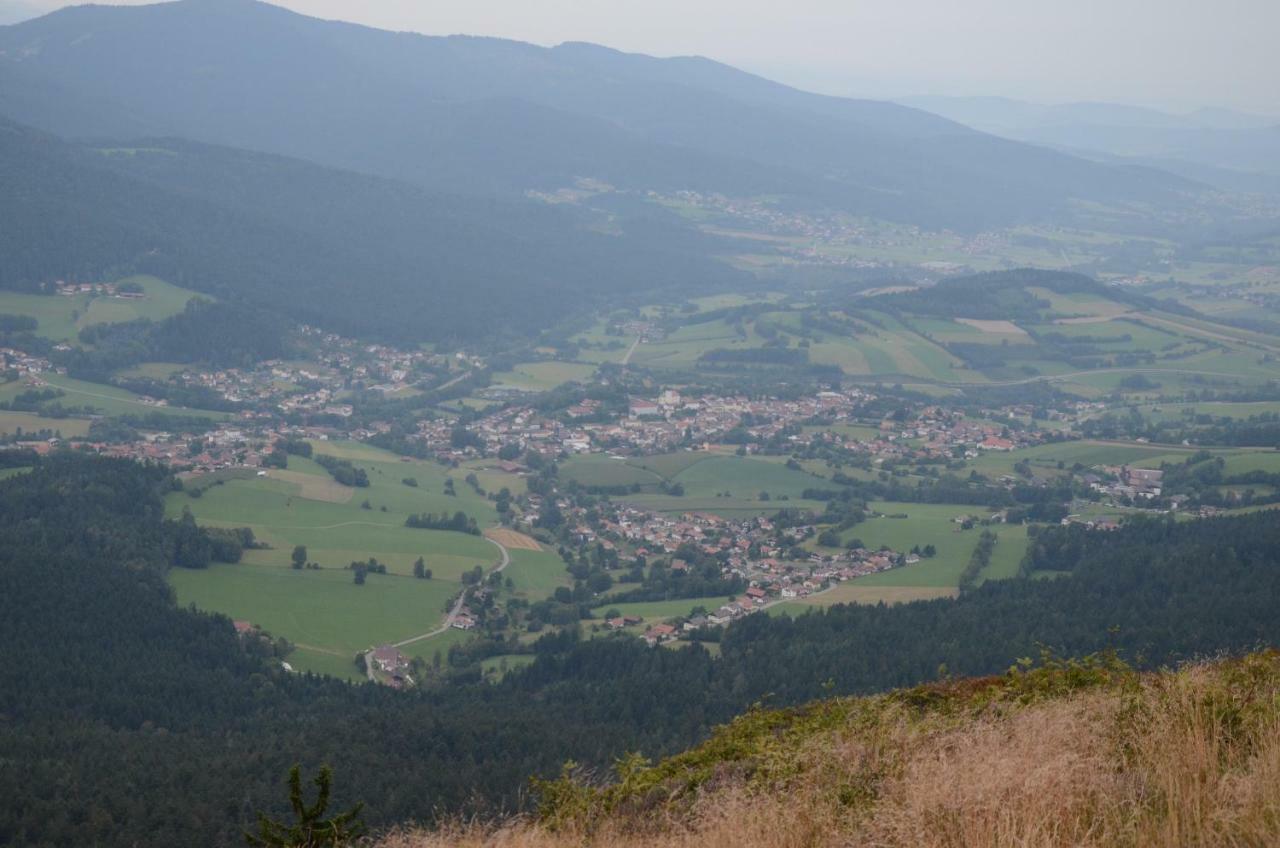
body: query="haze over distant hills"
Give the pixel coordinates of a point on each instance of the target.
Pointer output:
(15, 11)
(486, 116)
(351, 252)
(1194, 144)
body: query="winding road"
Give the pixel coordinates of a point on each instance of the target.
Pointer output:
(503, 561)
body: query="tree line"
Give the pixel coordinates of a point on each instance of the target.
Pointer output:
(130, 720)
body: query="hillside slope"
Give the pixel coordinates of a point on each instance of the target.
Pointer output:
(486, 115)
(350, 252)
(1065, 754)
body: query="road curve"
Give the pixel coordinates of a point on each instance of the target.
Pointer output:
(504, 560)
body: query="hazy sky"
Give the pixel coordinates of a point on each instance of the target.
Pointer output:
(1176, 54)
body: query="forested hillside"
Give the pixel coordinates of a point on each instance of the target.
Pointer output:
(484, 116)
(130, 721)
(356, 254)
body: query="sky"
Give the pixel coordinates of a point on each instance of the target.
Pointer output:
(1171, 54)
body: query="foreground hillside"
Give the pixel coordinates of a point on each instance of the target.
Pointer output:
(1079, 753)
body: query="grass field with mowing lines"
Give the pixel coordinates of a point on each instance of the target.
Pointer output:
(12, 422)
(668, 465)
(323, 609)
(599, 470)
(536, 574)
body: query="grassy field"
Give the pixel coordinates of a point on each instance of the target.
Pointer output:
(112, 400)
(925, 524)
(541, 376)
(335, 534)
(62, 318)
(1183, 411)
(743, 477)
(856, 592)
(536, 574)
(323, 609)
(13, 422)
(655, 612)
(1087, 453)
(724, 484)
(599, 470)
(1044, 459)
(893, 349)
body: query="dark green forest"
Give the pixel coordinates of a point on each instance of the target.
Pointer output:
(357, 254)
(126, 720)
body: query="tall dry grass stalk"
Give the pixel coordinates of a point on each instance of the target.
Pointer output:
(1177, 760)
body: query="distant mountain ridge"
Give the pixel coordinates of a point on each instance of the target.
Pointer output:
(1186, 144)
(487, 116)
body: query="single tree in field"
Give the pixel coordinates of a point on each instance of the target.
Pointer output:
(310, 828)
(420, 569)
(299, 556)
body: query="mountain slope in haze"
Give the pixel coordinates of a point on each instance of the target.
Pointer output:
(1208, 138)
(346, 251)
(489, 116)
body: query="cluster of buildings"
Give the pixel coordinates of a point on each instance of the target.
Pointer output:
(1125, 483)
(99, 290)
(28, 368)
(650, 425)
(937, 433)
(756, 550)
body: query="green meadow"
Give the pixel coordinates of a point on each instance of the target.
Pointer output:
(11, 423)
(536, 574)
(655, 612)
(324, 610)
(1044, 459)
(62, 318)
(112, 400)
(720, 483)
(541, 376)
(933, 524)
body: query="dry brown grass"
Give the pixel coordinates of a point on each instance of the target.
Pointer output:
(1174, 760)
(513, 539)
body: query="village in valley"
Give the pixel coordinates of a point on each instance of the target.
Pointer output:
(660, 503)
